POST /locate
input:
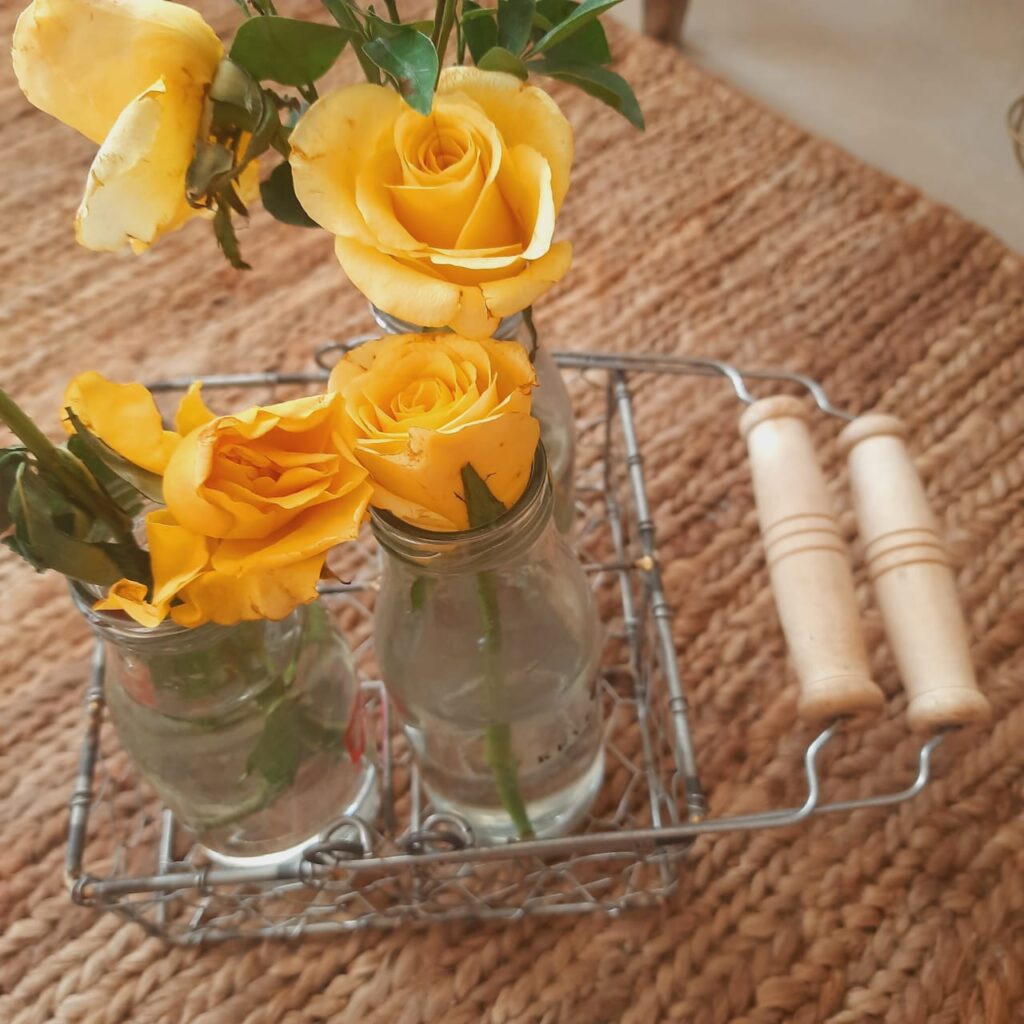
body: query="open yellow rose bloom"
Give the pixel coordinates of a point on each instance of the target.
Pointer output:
(131, 75)
(446, 220)
(254, 501)
(421, 407)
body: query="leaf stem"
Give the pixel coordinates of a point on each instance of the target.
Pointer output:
(444, 19)
(498, 734)
(532, 330)
(393, 11)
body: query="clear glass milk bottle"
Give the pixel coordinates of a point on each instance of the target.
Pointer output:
(489, 645)
(551, 405)
(251, 734)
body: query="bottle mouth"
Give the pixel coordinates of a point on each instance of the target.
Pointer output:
(454, 550)
(507, 327)
(122, 627)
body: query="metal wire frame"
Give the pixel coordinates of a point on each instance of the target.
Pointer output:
(430, 869)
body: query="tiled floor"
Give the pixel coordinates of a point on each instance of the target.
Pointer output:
(919, 88)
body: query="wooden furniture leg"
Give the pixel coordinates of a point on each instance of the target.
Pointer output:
(663, 19)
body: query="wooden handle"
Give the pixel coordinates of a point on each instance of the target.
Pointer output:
(808, 563)
(911, 573)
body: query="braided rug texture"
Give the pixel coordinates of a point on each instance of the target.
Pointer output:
(723, 231)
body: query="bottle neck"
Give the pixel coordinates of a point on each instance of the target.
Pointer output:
(507, 328)
(505, 541)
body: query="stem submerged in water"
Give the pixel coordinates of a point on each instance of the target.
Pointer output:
(498, 734)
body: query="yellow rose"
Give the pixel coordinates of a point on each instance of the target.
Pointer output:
(421, 407)
(445, 220)
(254, 501)
(131, 75)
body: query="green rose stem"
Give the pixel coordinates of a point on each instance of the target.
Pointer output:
(444, 21)
(483, 509)
(63, 468)
(498, 734)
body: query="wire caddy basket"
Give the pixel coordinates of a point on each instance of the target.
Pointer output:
(126, 854)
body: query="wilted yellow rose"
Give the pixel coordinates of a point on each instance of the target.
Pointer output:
(420, 407)
(131, 75)
(445, 220)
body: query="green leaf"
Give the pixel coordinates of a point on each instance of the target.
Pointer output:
(280, 201)
(211, 164)
(287, 50)
(290, 735)
(480, 29)
(224, 230)
(233, 86)
(515, 20)
(408, 58)
(342, 12)
(91, 450)
(482, 507)
(11, 460)
(388, 29)
(587, 45)
(425, 26)
(278, 751)
(598, 82)
(45, 546)
(497, 58)
(581, 16)
(126, 496)
(472, 11)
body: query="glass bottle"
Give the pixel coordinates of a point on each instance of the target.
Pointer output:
(489, 645)
(551, 405)
(249, 733)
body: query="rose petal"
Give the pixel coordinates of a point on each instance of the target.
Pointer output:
(227, 599)
(473, 319)
(84, 61)
(130, 597)
(192, 410)
(177, 555)
(328, 148)
(428, 473)
(310, 533)
(513, 294)
(398, 289)
(522, 114)
(122, 416)
(525, 182)
(184, 486)
(136, 186)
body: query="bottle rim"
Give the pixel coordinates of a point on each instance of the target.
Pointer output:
(121, 627)
(454, 550)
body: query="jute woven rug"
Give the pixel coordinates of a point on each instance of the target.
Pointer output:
(723, 231)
